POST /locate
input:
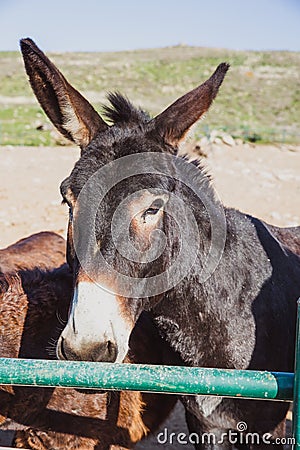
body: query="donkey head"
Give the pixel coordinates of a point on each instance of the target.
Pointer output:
(114, 234)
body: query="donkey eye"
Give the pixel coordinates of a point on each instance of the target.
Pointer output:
(154, 208)
(65, 201)
(151, 211)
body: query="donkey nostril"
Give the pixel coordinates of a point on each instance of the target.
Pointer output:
(66, 352)
(111, 351)
(61, 350)
(104, 352)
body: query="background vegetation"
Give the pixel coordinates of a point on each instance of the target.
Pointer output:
(259, 100)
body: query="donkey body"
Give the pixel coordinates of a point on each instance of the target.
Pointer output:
(289, 237)
(34, 304)
(241, 316)
(44, 250)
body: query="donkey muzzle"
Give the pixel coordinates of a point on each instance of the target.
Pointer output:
(96, 329)
(105, 352)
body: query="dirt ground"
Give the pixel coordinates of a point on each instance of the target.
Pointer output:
(261, 180)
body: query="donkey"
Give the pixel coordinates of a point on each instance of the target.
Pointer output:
(35, 293)
(45, 250)
(136, 209)
(290, 237)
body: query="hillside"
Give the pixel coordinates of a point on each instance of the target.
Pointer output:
(259, 100)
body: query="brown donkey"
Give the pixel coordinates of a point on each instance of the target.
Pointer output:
(35, 293)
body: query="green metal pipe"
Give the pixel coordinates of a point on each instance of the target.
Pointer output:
(296, 405)
(146, 378)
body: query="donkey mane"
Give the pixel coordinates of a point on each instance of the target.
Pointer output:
(122, 111)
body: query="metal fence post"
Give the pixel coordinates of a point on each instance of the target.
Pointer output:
(296, 399)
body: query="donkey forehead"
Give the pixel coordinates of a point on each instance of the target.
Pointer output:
(97, 155)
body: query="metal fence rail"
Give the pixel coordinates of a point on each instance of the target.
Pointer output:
(168, 379)
(148, 378)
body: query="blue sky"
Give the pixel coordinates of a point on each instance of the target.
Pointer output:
(91, 25)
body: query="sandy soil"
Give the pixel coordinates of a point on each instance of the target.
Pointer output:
(262, 180)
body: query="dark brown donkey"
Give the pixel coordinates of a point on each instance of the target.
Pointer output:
(35, 293)
(147, 231)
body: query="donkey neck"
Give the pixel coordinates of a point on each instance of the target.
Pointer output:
(218, 323)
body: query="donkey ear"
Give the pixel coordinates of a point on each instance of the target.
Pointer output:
(175, 121)
(67, 109)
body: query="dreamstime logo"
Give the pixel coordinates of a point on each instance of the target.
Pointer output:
(239, 436)
(241, 426)
(144, 164)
